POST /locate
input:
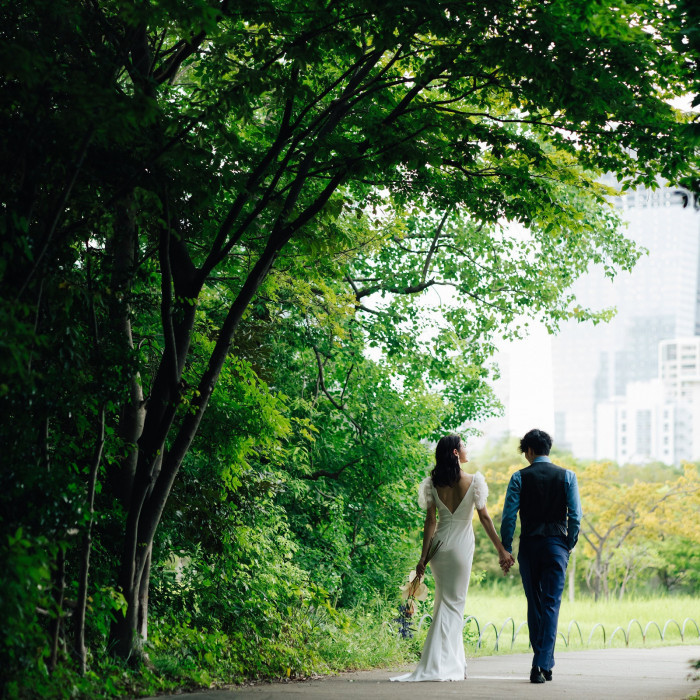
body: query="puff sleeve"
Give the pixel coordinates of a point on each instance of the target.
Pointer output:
(481, 490)
(425, 494)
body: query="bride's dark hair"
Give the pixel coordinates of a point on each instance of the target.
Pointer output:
(447, 468)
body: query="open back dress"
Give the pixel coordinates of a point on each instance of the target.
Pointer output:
(443, 656)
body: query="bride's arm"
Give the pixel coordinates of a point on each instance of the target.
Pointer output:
(505, 558)
(428, 531)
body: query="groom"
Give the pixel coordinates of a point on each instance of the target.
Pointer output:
(550, 517)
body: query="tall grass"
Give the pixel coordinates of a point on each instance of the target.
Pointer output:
(367, 639)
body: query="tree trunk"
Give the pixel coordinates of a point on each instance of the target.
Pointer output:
(604, 583)
(81, 605)
(59, 586)
(143, 598)
(124, 639)
(152, 485)
(626, 578)
(131, 421)
(593, 576)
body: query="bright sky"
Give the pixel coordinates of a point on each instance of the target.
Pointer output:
(527, 368)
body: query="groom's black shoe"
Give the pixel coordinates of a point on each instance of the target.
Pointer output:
(547, 674)
(536, 675)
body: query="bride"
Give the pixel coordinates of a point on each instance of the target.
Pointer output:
(453, 494)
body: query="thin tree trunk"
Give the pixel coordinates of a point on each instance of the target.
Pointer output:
(79, 643)
(59, 587)
(143, 598)
(604, 581)
(131, 421)
(626, 579)
(124, 641)
(599, 576)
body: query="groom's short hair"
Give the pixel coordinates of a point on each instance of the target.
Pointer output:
(538, 440)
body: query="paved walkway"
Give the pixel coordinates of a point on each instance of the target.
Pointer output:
(616, 674)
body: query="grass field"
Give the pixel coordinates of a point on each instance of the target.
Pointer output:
(496, 608)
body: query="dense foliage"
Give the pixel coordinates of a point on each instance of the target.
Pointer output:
(254, 256)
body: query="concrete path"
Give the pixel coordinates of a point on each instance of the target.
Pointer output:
(615, 674)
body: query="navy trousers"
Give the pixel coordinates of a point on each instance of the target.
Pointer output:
(543, 562)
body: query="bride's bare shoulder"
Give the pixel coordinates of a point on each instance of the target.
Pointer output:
(466, 479)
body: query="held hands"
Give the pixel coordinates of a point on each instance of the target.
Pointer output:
(505, 561)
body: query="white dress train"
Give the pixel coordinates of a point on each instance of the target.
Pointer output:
(443, 657)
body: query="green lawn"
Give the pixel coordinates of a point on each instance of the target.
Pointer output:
(496, 608)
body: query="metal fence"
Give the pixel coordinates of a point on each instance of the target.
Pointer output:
(509, 627)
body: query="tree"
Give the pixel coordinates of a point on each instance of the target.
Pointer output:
(623, 524)
(175, 148)
(685, 35)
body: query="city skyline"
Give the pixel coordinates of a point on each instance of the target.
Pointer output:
(575, 384)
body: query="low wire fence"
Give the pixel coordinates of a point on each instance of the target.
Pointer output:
(598, 630)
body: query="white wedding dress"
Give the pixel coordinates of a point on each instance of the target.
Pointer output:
(443, 654)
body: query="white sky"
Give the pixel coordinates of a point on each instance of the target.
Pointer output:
(528, 375)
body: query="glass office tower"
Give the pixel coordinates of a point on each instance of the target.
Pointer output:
(599, 371)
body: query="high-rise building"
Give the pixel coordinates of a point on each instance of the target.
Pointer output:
(640, 426)
(595, 367)
(679, 373)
